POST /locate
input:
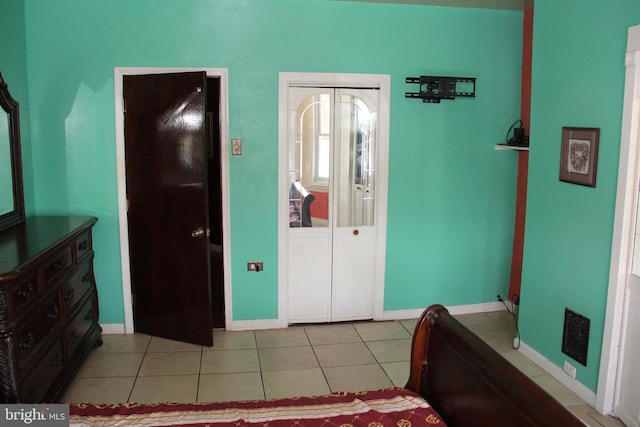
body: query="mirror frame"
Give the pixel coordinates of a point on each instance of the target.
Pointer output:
(10, 106)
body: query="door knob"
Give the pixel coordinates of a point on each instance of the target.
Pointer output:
(198, 233)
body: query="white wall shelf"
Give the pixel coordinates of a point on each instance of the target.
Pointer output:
(501, 147)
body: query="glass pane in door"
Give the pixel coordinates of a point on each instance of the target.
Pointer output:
(310, 162)
(355, 168)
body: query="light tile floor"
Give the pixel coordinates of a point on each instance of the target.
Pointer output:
(297, 361)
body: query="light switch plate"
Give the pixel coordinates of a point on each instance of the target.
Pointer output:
(236, 146)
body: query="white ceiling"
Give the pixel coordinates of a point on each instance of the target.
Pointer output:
(486, 4)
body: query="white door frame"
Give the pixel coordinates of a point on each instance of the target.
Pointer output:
(382, 81)
(118, 74)
(623, 223)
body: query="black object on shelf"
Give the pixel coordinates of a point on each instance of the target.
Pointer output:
(433, 88)
(519, 139)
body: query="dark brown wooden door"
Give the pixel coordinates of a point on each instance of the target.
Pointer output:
(165, 157)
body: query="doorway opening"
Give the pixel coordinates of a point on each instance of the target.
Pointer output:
(217, 81)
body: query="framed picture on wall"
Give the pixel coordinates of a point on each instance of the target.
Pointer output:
(579, 155)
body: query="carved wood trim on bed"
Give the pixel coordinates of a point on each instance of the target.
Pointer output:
(469, 384)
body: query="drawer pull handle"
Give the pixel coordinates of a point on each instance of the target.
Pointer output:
(59, 265)
(70, 295)
(28, 344)
(73, 337)
(86, 278)
(82, 246)
(26, 293)
(53, 314)
(56, 361)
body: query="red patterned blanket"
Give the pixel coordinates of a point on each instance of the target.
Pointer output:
(389, 407)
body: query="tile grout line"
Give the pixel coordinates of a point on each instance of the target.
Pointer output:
(135, 380)
(313, 349)
(264, 390)
(200, 373)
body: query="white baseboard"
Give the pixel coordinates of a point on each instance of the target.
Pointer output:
(113, 328)
(248, 325)
(556, 372)
(484, 307)
(412, 313)
(453, 309)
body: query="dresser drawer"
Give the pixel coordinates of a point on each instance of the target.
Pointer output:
(43, 375)
(78, 327)
(83, 245)
(76, 287)
(57, 265)
(23, 293)
(45, 323)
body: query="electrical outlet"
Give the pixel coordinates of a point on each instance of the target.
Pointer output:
(570, 369)
(255, 266)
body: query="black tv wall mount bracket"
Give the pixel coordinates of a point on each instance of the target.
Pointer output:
(433, 88)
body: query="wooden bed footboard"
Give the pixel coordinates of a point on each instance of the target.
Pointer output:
(470, 384)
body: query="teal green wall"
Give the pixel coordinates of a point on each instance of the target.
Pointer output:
(578, 80)
(451, 196)
(13, 66)
(13, 59)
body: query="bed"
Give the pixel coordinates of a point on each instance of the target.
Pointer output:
(455, 380)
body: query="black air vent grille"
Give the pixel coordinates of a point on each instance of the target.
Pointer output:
(575, 338)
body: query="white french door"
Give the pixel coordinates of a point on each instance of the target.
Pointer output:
(627, 403)
(332, 172)
(619, 382)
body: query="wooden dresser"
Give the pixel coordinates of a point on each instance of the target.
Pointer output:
(48, 306)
